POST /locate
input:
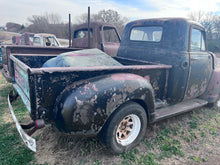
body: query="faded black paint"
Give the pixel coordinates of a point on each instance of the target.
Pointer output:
(173, 49)
(48, 85)
(84, 108)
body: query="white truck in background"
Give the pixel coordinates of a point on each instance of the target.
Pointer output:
(45, 39)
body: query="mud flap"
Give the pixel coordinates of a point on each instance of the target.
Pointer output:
(28, 140)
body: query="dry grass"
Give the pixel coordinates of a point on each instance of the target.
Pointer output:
(7, 36)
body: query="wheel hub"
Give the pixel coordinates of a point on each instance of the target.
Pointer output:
(128, 129)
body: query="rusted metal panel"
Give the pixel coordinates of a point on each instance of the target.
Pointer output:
(21, 79)
(201, 68)
(172, 49)
(48, 83)
(213, 91)
(84, 106)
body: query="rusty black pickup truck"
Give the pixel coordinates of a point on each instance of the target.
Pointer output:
(162, 69)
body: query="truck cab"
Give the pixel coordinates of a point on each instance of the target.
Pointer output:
(102, 36)
(173, 41)
(44, 39)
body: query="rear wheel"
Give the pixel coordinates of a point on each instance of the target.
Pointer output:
(125, 128)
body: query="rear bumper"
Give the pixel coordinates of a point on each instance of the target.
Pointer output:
(28, 140)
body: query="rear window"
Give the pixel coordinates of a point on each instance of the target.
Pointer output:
(82, 33)
(146, 33)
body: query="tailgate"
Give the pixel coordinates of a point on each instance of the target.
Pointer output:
(21, 81)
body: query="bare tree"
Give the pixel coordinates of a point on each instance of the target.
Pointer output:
(208, 20)
(197, 15)
(83, 18)
(48, 23)
(108, 16)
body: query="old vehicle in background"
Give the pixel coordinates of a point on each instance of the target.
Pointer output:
(27, 39)
(45, 39)
(103, 36)
(162, 69)
(23, 39)
(16, 40)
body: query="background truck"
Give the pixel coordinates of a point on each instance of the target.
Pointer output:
(45, 39)
(16, 40)
(162, 69)
(27, 39)
(103, 36)
(99, 33)
(24, 39)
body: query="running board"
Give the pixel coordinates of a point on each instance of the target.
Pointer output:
(179, 108)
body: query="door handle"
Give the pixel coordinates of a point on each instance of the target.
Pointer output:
(184, 64)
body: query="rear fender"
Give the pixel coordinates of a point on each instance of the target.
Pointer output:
(84, 107)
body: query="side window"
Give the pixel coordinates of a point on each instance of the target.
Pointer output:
(37, 40)
(146, 33)
(197, 41)
(110, 34)
(31, 38)
(50, 41)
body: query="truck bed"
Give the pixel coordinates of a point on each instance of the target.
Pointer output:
(40, 86)
(7, 50)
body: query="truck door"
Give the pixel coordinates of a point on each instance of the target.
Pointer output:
(110, 40)
(200, 64)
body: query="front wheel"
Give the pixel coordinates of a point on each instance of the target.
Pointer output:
(125, 128)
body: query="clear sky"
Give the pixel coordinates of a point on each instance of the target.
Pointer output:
(18, 10)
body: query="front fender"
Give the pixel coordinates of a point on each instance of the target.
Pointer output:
(85, 106)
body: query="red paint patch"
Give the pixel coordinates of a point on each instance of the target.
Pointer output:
(123, 77)
(147, 77)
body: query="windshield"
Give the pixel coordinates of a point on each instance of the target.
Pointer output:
(50, 41)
